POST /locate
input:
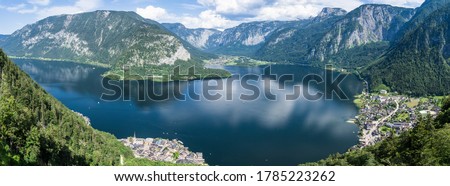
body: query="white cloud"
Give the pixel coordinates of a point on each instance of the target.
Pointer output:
(275, 9)
(262, 10)
(154, 13)
(42, 12)
(218, 11)
(39, 2)
(16, 7)
(232, 6)
(299, 9)
(191, 6)
(206, 19)
(28, 11)
(78, 7)
(402, 3)
(286, 12)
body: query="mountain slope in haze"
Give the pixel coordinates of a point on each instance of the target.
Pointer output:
(293, 44)
(197, 37)
(3, 37)
(243, 39)
(422, 12)
(419, 63)
(36, 129)
(318, 43)
(112, 38)
(246, 38)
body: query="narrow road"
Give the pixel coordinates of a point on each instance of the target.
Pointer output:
(368, 137)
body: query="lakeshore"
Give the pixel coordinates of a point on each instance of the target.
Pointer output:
(157, 149)
(237, 61)
(209, 127)
(384, 114)
(92, 63)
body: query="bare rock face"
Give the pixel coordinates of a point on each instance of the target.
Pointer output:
(334, 31)
(329, 13)
(367, 24)
(107, 37)
(243, 39)
(198, 37)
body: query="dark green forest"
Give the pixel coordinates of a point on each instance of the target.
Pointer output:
(181, 70)
(418, 63)
(359, 56)
(428, 144)
(36, 129)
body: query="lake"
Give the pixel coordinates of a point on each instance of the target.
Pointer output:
(228, 132)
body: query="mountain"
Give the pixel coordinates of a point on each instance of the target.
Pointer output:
(364, 25)
(327, 13)
(111, 38)
(367, 28)
(246, 38)
(293, 44)
(243, 39)
(418, 63)
(3, 37)
(36, 129)
(196, 37)
(428, 7)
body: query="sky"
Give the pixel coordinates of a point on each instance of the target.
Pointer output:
(218, 14)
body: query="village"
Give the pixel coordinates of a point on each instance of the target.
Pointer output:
(384, 114)
(157, 149)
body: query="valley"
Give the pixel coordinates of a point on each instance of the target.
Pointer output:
(367, 39)
(112, 39)
(391, 65)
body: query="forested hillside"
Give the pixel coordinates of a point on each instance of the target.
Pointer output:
(346, 40)
(428, 144)
(422, 12)
(418, 64)
(36, 129)
(110, 38)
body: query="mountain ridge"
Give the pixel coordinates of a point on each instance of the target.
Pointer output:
(197, 37)
(418, 63)
(243, 39)
(367, 28)
(99, 36)
(319, 40)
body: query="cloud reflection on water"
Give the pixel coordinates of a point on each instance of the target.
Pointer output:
(279, 131)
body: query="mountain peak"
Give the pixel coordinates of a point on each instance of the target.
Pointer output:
(112, 38)
(328, 12)
(378, 7)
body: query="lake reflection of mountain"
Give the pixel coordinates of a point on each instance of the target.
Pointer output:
(228, 132)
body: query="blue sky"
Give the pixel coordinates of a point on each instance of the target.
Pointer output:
(220, 14)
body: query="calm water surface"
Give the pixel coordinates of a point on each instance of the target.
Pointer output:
(260, 132)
